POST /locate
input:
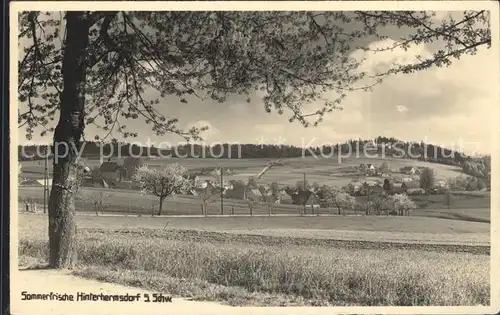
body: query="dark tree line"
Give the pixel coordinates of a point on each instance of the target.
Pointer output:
(418, 150)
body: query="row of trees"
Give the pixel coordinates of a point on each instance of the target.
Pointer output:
(227, 150)
(479, 168)
(173, 179)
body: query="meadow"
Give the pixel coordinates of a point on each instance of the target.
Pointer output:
(435, 256)
(465, 207)
(323, 171)
(233, 260)
(327, 171)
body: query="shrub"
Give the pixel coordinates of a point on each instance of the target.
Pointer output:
(401, 203)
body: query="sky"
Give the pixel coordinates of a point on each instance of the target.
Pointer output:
(451, 107)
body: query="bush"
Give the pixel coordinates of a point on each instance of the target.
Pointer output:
(401, 204)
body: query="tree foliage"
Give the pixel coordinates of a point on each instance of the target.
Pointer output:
(401, 203)
(385, 167)
(207, 195)
(334, 197)
(427, 179)
(164, 182)
(290, 58)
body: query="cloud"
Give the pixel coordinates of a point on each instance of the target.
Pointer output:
(270, 129)
(211, 134)
(382, 61)
(401, 109)
(351, 116)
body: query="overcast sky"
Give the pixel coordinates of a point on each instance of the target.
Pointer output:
(442, 106)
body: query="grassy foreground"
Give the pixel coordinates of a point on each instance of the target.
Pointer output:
(242, 273)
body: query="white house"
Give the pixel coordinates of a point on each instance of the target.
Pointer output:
(408, 170)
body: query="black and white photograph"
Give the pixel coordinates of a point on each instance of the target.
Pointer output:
(254, 157)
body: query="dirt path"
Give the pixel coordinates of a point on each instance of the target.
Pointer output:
(46, 281)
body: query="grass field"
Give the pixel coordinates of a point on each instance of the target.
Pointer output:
(281, 260)
(473, 207)
(321, 170)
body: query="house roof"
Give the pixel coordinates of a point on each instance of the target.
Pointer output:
(109, 167)
(206, 178)
(312, 199)
(255, 192)
(412, 184)
(284, 195)
(40, 182)
(131, 161)
(407, 167)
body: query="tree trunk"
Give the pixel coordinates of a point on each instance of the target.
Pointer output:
(160, 206)
(67, 135)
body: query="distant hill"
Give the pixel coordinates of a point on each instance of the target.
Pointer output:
(381, 145)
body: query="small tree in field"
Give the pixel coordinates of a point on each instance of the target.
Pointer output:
(333, 197)
(427, 179)
(99, 200)
(448, 198)
(208, 195)
(164, 182)
(387, 186)
(344, 201)
(274, 188)
(385, 168)
(378, 204)
(401, 203)
(270, 201)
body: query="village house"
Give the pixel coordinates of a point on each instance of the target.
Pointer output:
(284, 198)
(202, 181)
(130, 166)
(377, 189)
(111, 172)
(441, 183)
(370, 187)
(410, 187)
(371, 169)
(227, 185)
(408, 170)
(254, 195)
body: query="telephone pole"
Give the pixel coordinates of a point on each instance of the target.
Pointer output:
(221, 191)
(304, 193)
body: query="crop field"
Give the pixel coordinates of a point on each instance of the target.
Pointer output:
(282, 260)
